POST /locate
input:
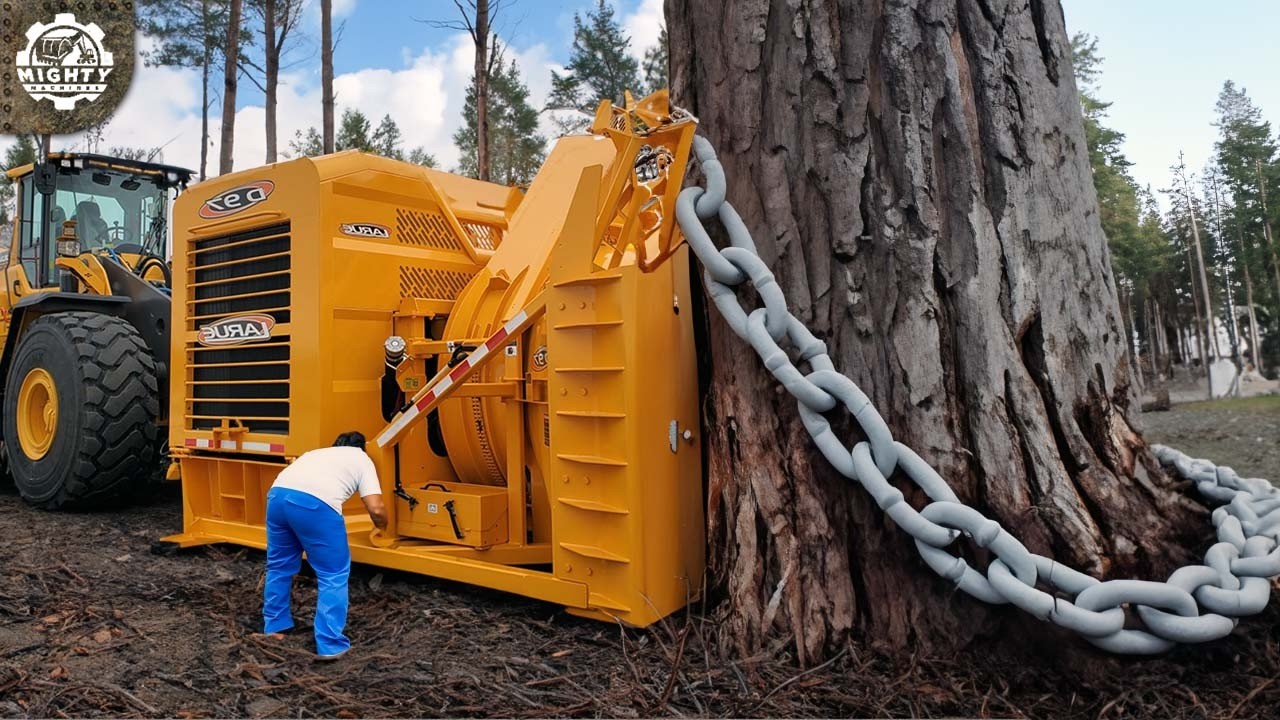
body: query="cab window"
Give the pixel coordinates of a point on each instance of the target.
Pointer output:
(112, 211)
(31, 206)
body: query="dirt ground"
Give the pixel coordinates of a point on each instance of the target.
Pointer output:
(94, 622)
(1244, 434)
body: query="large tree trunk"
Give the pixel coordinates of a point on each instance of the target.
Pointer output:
(231, 68)
(271, 52)
(326, 72)
(916, 174)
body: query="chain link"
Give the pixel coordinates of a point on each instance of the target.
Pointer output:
(1122, 616)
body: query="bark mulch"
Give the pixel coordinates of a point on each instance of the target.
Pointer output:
(94, 623)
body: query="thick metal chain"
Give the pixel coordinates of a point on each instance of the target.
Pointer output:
(1196, 604)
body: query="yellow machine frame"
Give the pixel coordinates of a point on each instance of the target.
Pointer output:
(560, 374)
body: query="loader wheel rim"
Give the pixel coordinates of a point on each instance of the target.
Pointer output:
(37, 413)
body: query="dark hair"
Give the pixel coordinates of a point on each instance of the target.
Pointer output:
(353, 439)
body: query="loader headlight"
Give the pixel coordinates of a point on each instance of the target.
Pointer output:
(68, 247)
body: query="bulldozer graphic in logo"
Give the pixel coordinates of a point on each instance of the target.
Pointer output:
(64, 62)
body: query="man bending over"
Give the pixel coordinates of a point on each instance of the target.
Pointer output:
(304, 512)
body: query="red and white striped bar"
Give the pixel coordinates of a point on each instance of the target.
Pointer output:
(206, 444)
(433, 394)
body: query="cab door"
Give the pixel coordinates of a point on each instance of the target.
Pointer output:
(26, 252)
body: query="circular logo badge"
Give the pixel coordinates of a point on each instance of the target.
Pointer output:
(64, 62)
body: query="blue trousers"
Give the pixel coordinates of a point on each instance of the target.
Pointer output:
(298, 521)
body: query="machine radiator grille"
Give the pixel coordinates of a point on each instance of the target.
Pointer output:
(431, 283)
(244, 272)
(483, 235)
(425, 229)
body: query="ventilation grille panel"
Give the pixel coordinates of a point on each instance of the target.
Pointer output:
(423, 229)
(234, 274)
(483, 235)
(431, 283)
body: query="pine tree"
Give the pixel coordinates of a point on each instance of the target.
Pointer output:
(326, 74)
(386, 139)
(280, 21)
(1247, 156)
(189, 35)
(1117, 192)
(476, 18)
(980, 313)
(230, 82)
(655, 64)
(516, 149)
(306, 144)
(420, 156)
(20, 153)
(600, 68)
(354, 132)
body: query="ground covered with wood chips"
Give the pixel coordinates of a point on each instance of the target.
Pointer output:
(94, 622)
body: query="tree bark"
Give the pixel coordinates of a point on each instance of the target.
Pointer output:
(917, 176)
(326, 71)
(271, 54)
(231, 65)
(480, 34)
(1199, 333)
(1131, 343)
(1152, 335)
(1255, 348)
(1210, 330)
(205, 70)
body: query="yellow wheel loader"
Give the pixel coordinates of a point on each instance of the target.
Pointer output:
(526, 362)
(85, 315)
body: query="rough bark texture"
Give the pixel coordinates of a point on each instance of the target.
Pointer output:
(916, 173)
(480, 34)
(205, 71)
(326, 73)
(271, 53)
(231, 66)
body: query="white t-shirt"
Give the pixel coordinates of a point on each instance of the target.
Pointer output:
(332, 474)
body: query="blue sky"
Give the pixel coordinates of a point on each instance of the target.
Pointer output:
(1165, 62)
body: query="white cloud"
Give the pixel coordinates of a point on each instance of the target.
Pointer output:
(343, 8)
(643, 26)
(425, 97)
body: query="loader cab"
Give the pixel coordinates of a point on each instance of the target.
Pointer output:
(121, 210)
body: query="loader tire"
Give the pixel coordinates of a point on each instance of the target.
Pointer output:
(80, 409)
